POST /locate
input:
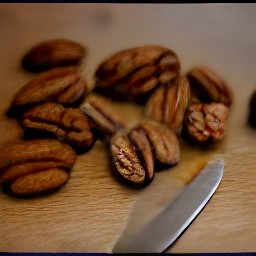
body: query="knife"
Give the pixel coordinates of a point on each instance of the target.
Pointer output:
(157, 235)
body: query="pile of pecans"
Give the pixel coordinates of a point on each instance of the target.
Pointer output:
(62, 117)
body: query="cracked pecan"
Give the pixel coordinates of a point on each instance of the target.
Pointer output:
(207, 86)
(168, 104)
(206, 122)
(137, 154)
(62, 85)
(68, 124)
(134, 73)
(52, 54)
(35, 167)
(126, 160)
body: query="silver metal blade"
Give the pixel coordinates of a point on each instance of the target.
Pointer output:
(157, 235)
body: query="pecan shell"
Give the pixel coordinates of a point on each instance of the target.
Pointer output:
(62, 85)
(68, 124)
(207, 86)
(34, 167)
(169, 104)
(206, 122)
(134, 73)
(52, 54)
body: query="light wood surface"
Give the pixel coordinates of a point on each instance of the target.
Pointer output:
(93, 209)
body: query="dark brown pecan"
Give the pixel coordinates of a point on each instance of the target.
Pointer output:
(102, 115)
(134, 73)
(52, 54)
(168, 104)
(62, 85)
(206, 122)
(208, 86)
(252, 110)
(147, 146)
(126, 160)
(68, 124)
(34, 167)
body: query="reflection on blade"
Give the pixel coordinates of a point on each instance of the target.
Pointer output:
(165, 228)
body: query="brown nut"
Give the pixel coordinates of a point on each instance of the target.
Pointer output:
(52, 54)
(252, 110)
(35, 167)
(68, 124)
(134, 73)
(62, 85)
(206, 122)
(127, 163)
(147, 146)
(208, 86)
(163, 140)
(102, 115)
(168, 104)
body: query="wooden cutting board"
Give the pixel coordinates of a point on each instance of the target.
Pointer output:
(90, 212)
(93, 209)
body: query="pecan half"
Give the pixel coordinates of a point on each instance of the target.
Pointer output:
(52, 54)
(62, 85)
(208, 86)
(163, 140)
(134, 73)
(68, 124)
(126, 160)
(206, 122)
(102, 115)
(168, 104)
(146, 146)
(34, 167)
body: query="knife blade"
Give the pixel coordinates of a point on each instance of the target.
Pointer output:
(157, 235)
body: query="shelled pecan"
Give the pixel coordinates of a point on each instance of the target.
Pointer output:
(68, 124)
(52, 54)
(137, 154)
(127, 162)
(205, 122)
(208, 86)
(102, 116)
(168, 104)
(63, 85)
(35, 167)
(134, 73)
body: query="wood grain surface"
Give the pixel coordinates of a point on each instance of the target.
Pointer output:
(93, 209)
